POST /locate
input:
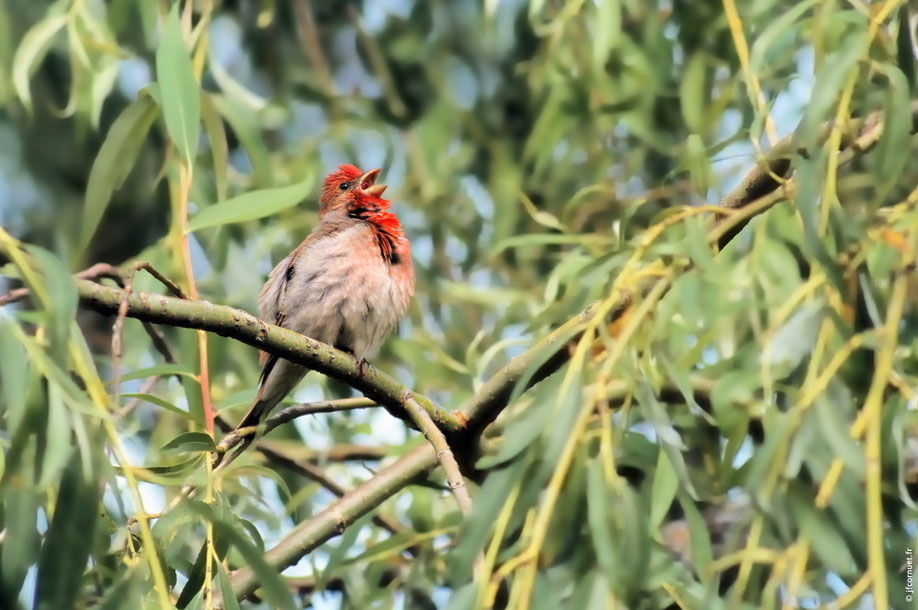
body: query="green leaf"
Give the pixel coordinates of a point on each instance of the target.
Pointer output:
(696, 241)
(796, 338)
(162, 369)
(252, 205)
(247, 129)
(732, 392)
(58, 450)
(68, 541)
(62, 299)
(172, 470)
(6, 48)
(781, 26)
(197, 573)
(394, 545)
(607, 31)
(693, 92)
(336, 555)
(169, 523)
(114, 161)
(21, 544)
(179, 90)
(524, 429)
(904, 51)
(190, 442)
(216, 138)
(829, 81)
(14, 375)
(699, 535)
(669, 438)
(696, 158)
(892, 149)
(125, 594)
(271, 585)
(32, 50)
(165, 404)
(546, 239)
(663, 491)
(487, 507)
(819, 528)
(599, 519)
(226, 591)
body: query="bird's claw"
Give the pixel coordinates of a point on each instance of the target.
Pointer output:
(361, 365)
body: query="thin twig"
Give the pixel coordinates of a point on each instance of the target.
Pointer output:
(127, 282)
(96, 272)
(444, 454)
(290, 413)
(135, 402)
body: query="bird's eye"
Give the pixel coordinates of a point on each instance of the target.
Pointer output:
(344, 186)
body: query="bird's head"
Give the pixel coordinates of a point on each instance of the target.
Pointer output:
(347, 187)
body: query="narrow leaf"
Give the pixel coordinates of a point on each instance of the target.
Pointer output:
(693, 92)
(256, 204)
(179, 89)
(892, 149)
(31, 51)
(663, 492)
(162, 369)
(190, 442)
(216, 138)
(68, 541)
(114, 162)
(829, 81)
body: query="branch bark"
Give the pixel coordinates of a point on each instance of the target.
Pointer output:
(410, 468)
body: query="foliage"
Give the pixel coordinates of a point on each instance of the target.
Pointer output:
(731, 427)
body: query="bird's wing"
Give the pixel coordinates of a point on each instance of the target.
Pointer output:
(272, 304)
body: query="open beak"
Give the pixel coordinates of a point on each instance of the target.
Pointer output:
(368, 184)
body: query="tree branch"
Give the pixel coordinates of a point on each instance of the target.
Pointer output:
(290, 413)
(410, 468)
(244, 327)
(313, 473)
(444, 454)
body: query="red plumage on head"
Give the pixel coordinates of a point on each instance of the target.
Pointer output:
(361, 205)
(344, 173)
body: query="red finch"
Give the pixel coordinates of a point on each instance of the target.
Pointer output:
(347, 284)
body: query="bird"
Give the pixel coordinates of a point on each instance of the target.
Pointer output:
(347, 284)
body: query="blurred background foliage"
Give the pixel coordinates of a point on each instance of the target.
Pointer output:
(749, 442)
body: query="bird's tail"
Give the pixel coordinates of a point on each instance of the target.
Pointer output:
(258, 412)
(278, 378)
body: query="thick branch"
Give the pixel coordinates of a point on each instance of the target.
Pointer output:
(314, 473)
(311, 533)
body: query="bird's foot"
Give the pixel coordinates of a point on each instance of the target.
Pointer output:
(361, 365)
